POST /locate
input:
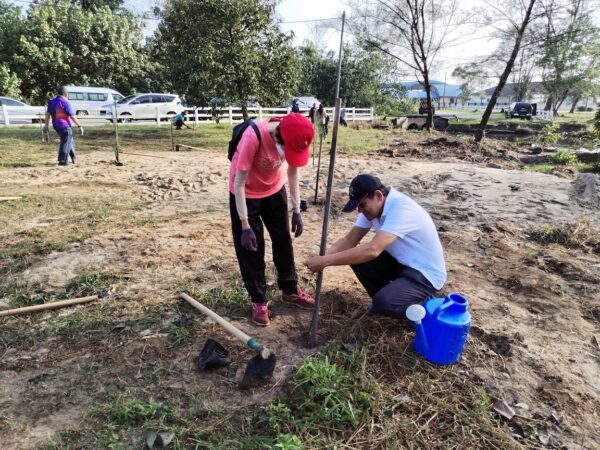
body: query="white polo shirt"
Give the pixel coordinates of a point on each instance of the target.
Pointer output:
(418, 245)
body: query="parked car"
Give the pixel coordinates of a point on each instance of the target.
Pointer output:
(91, 100)
(519, 109)
(20, 111)
(144, 106)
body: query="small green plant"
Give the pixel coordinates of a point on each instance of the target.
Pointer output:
(178, 336)
(563, 158)
(127, 410)
(90, 284)
(596, 125)
(109, 437)
(330, 392)
(91, 367)
(21, 294)
(549, 134)
(288, 442)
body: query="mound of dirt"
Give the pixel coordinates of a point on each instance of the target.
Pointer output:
(442, 147)
(586, 189)
(169, 186)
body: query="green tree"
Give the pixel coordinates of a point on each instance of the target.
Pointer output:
(410, 31)
(63, 43)
(571, 53)
(363, 74)
(230, 49)
(11, 28)
(472, 77)
(93, 4)
(9, 82)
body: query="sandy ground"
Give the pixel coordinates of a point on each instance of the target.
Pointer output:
(536, 314)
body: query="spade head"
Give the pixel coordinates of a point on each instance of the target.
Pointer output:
(213, 355)
(258, 371)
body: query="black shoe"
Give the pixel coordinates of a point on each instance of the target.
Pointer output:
(62, 163)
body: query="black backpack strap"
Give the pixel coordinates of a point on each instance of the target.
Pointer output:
(256, 130)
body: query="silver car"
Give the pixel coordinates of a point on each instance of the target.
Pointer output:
(144, 107)
(20, 112)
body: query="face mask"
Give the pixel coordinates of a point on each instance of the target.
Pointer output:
(279, 149)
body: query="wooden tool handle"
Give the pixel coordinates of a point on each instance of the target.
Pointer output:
(53, 305)
(217, 318)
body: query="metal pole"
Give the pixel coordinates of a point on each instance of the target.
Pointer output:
(314, 326)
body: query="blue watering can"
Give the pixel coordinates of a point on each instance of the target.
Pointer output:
(442, 328)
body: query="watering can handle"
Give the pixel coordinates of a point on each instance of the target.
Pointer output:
(445, 304)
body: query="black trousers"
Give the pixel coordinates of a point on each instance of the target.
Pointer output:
(271, 211)
(392, 286)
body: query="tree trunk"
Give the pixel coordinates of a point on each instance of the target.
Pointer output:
(245, 110)
(505, 74)
(575, 101)
(548, 105)
(429, 121)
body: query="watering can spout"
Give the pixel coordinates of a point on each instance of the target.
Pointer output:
(416, 313)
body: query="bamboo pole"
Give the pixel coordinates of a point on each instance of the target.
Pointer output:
(45, 306)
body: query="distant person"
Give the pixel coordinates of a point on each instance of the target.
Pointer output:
(322, 119)
(311, 112)
(179, 121)
(62, 114)
(343, 117)
(295, 107)
(184, 102)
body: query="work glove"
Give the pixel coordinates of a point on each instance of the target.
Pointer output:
(81, 130)
(297, 225)
(249, 240)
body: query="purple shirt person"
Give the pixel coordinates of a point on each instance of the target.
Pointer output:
(62, 115)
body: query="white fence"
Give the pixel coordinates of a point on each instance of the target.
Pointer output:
(196, 115)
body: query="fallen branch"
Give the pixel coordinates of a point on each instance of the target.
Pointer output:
(5, 199)
(141, 154)
(45, 306)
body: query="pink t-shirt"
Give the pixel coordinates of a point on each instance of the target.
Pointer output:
(261, 160)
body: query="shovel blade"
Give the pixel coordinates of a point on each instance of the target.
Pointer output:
(258, 371)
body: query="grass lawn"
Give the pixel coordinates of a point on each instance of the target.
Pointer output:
(23, 147)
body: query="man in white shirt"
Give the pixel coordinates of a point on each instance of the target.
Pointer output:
(404, 262)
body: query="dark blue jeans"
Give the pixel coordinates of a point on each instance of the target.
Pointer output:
(392, 286)
(67, 145)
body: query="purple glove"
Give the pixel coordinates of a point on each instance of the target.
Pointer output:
(297, 225)
(249, 240)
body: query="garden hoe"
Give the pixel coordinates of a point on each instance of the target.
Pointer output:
(259, 369)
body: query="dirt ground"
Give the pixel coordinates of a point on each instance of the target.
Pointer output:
(534, 343)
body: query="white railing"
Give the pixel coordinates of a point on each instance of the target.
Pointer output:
(197, 115)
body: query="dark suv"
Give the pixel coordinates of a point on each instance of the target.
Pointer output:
(519, 109)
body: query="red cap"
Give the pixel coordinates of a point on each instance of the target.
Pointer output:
(298, 133)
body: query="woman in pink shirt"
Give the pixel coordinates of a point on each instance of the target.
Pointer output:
(258, 197)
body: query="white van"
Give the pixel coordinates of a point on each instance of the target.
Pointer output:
(90, 100)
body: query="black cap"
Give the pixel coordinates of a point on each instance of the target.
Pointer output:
(361, 186)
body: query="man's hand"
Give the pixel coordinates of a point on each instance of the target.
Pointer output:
(249, 240)
(297, 225)
(81, 130)
(45, 128)
(315, 264)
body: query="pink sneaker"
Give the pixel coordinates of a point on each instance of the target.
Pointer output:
(260, 314)
(301, 300)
